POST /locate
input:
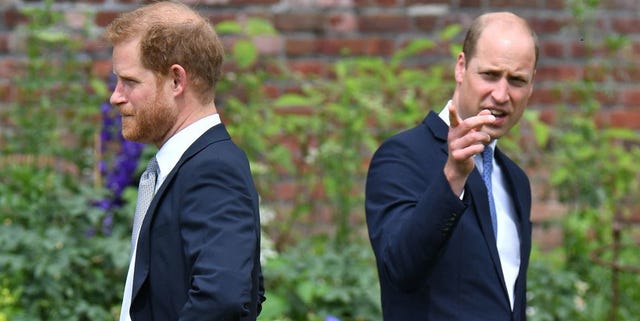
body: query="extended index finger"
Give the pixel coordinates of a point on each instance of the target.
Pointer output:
(454, 119)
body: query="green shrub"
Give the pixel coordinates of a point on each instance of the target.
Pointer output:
(312, 281)
(56, 263)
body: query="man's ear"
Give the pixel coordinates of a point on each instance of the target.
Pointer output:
(179, 79)
(461, 67)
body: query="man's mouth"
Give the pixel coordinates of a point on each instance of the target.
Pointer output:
(497, 113)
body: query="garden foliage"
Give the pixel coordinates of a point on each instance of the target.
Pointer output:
(56, 260)
(68, 179)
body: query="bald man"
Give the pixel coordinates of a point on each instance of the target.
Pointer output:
(448, 213)
(196, 235)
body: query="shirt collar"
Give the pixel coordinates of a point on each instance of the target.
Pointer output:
(171, 152)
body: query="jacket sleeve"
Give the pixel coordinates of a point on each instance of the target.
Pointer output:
(411, 209)
(220, 233)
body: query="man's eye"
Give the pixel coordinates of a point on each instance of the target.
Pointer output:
(518, 81)
(488, 74)
(128, 82)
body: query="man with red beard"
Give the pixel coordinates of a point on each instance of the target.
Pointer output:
(448, 213)
(196, 235)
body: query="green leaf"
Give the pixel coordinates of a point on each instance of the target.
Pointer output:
(228, 27)
(292, 100)
(52, 36)
(305, 290)
(99, 87)
(245, 53)
(413, 48)
(258, 26)
(450, 32)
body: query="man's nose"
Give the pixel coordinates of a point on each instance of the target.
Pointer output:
(117, 97)
(501, 91)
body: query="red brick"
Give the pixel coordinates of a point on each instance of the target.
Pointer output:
(299, 21)
(362, 3)
(470, 3)
(635, 47)
(626, 25)
(309, 67)
(5, 91)
(512, 3)
(547, 237)
(215, 17)
(104, 18)
(628, 71)
(4, 42)
(102, 68)
(552, 49)
(426, 23)
(301, 46)
(383, 23)
(392, 3)
(342, 22)
(555, 4)
(96, 45)
(269, 44)
(271, 90)
(626, 118)
(548, 115)
(543, 95)
(631, 97)
(627, 5)
(417, 2)
(286, 190)
(558, 72)
(356, 46)
(543, 25)
(9, 68)
(577, 96)
(596, 72)
(13, 17)
(253, 2)
(546, 210)
(377, 3)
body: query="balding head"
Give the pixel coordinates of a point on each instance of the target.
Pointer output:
(500, 21)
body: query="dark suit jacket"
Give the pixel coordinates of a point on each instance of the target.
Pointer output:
(198, 254)
(436, 254)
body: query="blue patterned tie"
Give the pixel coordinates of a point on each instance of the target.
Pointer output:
(146, 189)
(487, 168)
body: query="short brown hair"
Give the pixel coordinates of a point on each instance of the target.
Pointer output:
(477, 27)
(172, 33)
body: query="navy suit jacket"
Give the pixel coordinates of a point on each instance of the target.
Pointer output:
(436, 254)
(198, 254)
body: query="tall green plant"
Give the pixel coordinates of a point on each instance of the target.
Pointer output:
(54, 264)
(56, 95)
(595, 174)
(317, 139)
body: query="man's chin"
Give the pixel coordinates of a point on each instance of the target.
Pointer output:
(131, 136)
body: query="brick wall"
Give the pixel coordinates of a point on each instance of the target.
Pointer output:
(312, 33)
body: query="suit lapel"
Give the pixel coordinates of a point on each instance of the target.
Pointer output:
(438, 129)
(477, 192)
(211, 136)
